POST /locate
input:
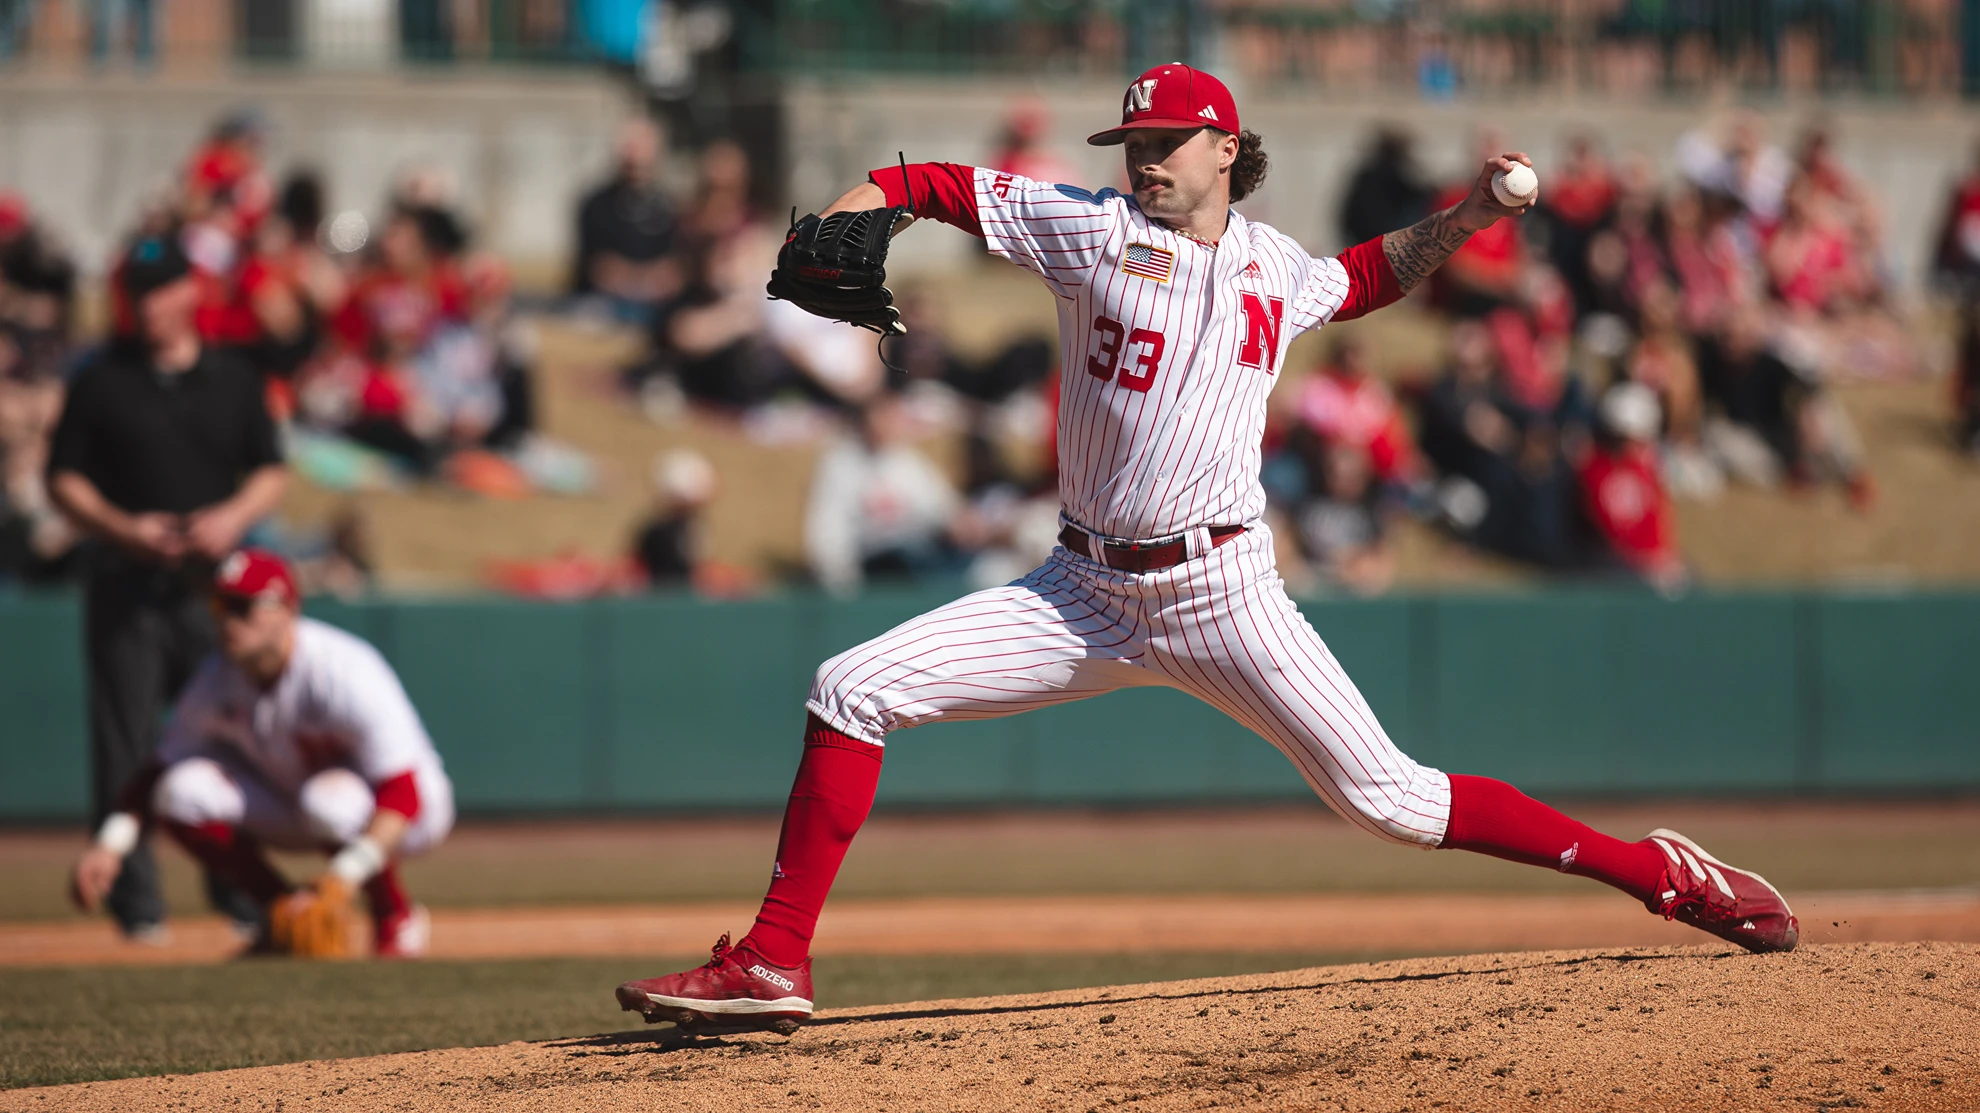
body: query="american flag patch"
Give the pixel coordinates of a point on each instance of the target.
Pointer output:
(1148, 262)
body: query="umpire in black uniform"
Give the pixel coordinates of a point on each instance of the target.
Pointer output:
(165, 455)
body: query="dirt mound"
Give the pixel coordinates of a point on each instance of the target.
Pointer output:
(1865, 1025)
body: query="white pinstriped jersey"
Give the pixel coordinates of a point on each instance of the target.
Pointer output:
(1170, 348)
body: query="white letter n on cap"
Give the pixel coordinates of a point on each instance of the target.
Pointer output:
(1141, 95)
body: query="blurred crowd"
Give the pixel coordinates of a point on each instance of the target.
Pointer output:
(1956, 268)
(691, 276)
(37, 322)
(388, 345)
(1635, 340)
(1641, 338)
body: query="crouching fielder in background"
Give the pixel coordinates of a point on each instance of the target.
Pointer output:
(298, 736)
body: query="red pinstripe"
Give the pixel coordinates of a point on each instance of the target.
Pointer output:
(1132, 467)
(1334, 770)
(1134, 464)
(1219, 627)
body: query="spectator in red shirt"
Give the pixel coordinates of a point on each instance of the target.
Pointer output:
(1622, 493)
(1714, 275)
(226, 171)
(1578, 202)
(409, 293)
(1346, 405)
(289, 284)
(1485, 273)
(409, 289)
(1022, 149)
(225, 197)
(1811, 259)
(1584, 191)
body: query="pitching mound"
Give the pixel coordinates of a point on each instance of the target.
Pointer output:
(1863, 1025)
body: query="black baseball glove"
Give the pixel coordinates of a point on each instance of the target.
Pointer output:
(836, 267)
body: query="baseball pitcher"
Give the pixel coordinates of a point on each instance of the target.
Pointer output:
(1174, 315)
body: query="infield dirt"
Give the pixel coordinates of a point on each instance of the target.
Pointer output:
(1859, 1026)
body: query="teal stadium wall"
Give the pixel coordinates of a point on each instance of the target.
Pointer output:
(668, 704)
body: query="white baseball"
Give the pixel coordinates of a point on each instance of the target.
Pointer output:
(1516, 187)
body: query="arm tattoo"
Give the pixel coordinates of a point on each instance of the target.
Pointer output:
(1422, 247)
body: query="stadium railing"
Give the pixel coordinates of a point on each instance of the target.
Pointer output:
(1632, 46)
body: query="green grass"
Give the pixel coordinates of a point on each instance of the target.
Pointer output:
(79, 1024)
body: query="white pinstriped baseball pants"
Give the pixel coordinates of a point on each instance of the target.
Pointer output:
(1219, 627)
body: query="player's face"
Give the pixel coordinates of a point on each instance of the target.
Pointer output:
(1174, 171)
(251, 629)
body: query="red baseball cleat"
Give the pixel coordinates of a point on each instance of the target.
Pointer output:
(405, 935)
(1731, 903)
(734, 988)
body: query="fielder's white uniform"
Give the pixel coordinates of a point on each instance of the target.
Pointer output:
(299, 765)
(1170, 348)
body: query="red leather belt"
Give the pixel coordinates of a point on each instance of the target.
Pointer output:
(1136, 556)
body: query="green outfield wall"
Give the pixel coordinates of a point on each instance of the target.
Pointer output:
(658, 704)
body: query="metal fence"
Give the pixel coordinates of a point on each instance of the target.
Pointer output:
(336, 34)
(415, 32)
(1435, 48)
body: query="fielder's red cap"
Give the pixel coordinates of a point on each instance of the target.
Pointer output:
(1172, 96)
(256, 574)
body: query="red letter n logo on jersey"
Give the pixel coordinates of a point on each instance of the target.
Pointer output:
(1262, 317)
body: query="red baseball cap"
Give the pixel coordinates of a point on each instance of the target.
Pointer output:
(256, 574)
(1172, 96)
(13, 213)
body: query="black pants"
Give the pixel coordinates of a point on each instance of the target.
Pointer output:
(146, 629)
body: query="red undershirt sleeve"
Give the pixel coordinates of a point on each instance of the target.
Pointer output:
(399, 794)
(944, 191)
(1371, 280)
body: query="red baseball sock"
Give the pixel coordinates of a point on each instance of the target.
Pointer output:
(232, 854)
(836, 780)
(1492, 817)
(387, 894)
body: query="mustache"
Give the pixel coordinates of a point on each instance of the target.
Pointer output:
(1143, 178)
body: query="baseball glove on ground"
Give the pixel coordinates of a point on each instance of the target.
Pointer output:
(316, 921)
(836, 267)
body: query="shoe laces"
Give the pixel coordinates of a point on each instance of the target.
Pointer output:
(719, 953)
(1699, 894)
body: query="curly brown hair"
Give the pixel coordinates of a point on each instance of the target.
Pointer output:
(1248, 171)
